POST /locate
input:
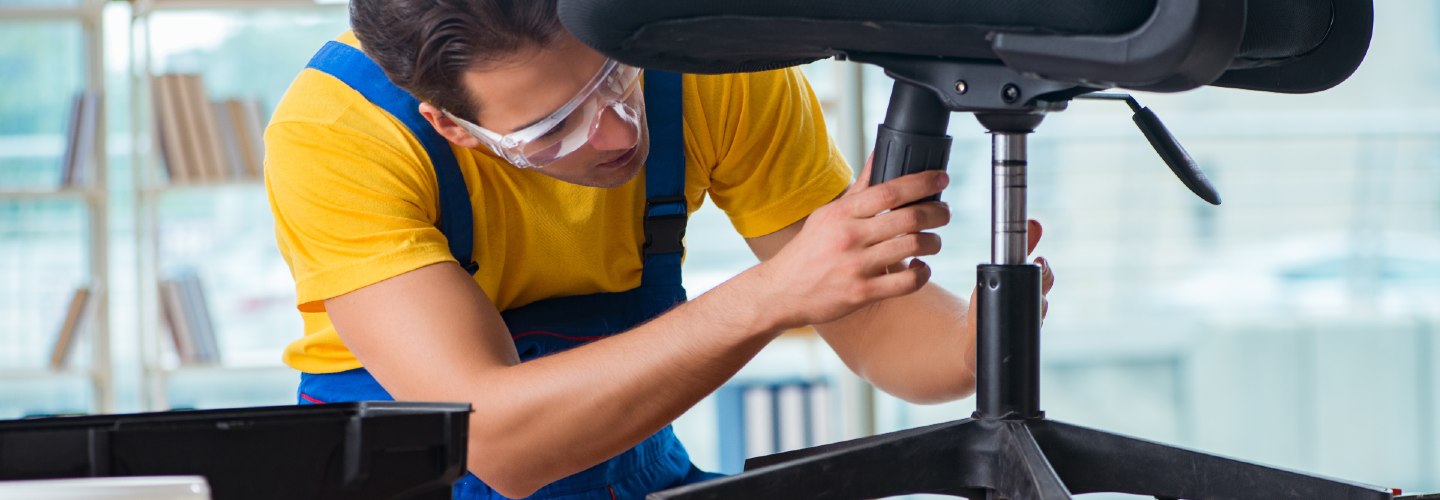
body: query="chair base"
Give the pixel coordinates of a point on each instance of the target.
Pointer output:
(1022, 459)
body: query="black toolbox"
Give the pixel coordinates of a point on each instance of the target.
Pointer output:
(366, 450)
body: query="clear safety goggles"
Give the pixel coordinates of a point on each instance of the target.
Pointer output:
(570, 127)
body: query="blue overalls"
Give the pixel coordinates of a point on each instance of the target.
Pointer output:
(550, 326)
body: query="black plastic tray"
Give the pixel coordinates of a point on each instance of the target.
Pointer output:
(346, 450)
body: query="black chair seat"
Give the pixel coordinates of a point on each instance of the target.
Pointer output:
(748, 35)
(751, 35)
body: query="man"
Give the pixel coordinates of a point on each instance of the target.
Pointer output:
(567, 192)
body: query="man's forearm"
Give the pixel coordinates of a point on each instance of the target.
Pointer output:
(919, 347)
(634, 384)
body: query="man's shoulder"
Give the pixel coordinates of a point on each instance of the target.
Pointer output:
(321, 118)
(723, 96)
(317, 97)
(728, 82)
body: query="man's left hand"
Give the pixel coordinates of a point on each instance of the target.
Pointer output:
(1047, 277)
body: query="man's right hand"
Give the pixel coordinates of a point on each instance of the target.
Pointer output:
(850, 253)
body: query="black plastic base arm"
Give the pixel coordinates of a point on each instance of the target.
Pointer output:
(1034, 459)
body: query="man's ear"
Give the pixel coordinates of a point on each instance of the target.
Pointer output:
(448, 128)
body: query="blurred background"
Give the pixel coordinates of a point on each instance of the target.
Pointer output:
(1293, 325)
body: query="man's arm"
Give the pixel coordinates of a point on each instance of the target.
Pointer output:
(432, 334)
(918, 347)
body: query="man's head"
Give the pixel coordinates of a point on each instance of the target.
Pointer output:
(505, 65)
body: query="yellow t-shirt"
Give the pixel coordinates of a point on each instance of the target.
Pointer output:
(355, 199)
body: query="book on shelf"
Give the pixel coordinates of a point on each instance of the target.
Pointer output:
(206, 137)
(234, 159)
(169, 130)
(186, 314)
(173, 315)
(80, 138)
(250, 121)
(242, 124)
(764, 416)
(203, 140)
(75, 315)
(72, 135)
(191, 130)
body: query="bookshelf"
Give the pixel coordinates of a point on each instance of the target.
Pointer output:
(194, 216)
(87, 367)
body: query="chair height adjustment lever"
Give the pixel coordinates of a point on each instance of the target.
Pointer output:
(1165, 144)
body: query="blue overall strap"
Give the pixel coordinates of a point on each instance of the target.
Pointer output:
(665, 207)
(354, 68)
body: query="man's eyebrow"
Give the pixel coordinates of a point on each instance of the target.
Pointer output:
(522, 127)
(532, 124)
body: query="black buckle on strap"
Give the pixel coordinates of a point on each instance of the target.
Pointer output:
(665, 233)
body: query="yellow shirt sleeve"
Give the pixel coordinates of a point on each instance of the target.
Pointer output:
(773, 161)
(350, 208)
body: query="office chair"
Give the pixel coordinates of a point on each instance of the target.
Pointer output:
(1009, 62)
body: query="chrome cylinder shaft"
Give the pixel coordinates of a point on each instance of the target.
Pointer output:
(1007, 194)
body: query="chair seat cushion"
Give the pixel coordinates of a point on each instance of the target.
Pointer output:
(751, 35)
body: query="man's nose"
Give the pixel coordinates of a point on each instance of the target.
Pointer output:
(615, 132)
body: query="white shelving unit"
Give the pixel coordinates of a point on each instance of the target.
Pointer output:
(160, 372)
(87, 14)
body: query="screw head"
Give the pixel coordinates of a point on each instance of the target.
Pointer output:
(1010, 93)
(961, 87)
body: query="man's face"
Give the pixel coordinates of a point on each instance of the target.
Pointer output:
(534, 83)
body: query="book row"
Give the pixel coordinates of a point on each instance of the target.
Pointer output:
(205, 141)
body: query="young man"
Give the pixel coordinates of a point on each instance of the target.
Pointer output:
(568, 164)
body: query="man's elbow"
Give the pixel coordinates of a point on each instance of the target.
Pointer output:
(938, 394)
(509, 473)
(929, 390)
(504, 479)
(518, 490)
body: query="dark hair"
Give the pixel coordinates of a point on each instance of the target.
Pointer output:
(425, 46)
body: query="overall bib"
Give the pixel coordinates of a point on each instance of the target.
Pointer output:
(553, 325)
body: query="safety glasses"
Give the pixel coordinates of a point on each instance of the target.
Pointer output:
(573, 125)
